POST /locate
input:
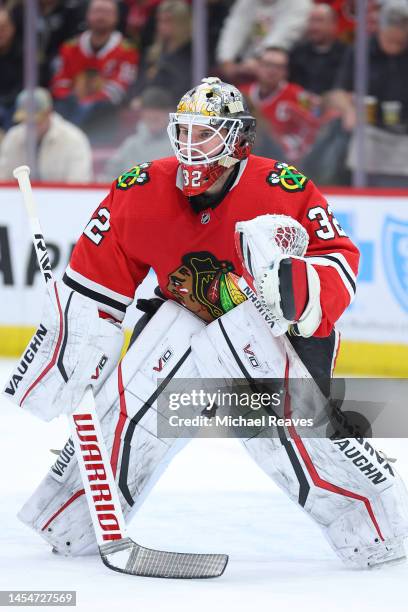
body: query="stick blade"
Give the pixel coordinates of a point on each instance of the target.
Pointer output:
(128, 557)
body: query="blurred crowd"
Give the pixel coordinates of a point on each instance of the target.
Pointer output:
(109, 72)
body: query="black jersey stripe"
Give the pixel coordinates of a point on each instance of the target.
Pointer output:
(338, 262)
(93, 295)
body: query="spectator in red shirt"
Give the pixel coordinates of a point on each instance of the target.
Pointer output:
(95, 71)
(284, 108)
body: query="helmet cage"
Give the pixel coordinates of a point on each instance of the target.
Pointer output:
(189, 152)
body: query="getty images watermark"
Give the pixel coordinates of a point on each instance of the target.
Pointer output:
(233, 410)
(211, 402)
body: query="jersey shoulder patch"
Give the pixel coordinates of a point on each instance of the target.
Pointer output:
(138, 175)
(287, 177)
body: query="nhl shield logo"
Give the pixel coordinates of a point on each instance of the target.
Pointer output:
(395, 251)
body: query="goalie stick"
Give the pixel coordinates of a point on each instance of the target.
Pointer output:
(118, 551)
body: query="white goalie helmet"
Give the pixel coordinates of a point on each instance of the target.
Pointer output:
(227, 135)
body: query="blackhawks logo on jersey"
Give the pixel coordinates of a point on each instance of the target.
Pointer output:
(137, 175)
(287, 177)
(205, 285)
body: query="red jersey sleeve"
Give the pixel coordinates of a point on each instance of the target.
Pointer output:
(117, 85)
(332, 254)
(100, 267)
(61, 84)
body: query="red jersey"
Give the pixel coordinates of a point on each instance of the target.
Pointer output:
(346, 16)
(292, 125)
(146, 221)
(92, 76)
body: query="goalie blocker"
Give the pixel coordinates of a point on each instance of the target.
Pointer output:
(298, 287)
(363, 517)
(272, 249)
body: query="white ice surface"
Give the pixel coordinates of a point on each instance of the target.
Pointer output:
(213, 498)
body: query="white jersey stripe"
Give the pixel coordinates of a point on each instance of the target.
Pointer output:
(89, 284)
(343, 261)
(322, 261)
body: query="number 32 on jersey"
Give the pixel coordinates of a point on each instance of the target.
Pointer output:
(192, 179)
(329, 226)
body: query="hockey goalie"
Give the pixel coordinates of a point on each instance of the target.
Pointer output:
(247, 252)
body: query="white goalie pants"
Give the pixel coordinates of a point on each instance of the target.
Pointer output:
(346, 486)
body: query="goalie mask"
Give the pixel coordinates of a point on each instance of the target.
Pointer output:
(211, 131)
